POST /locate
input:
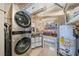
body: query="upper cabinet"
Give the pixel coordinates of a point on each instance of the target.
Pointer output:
(73, 16)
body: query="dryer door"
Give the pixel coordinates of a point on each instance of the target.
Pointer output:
(23, 45)
(22, 19)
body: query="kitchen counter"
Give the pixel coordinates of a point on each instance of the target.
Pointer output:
(36, 34)
(49, 39)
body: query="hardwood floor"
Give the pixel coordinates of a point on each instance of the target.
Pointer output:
(45, 51)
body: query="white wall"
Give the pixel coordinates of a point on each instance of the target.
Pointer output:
(1, 31)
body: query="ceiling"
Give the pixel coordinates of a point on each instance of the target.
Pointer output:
(48, 9)
(23, 5)
(44, 9)
(71, 6)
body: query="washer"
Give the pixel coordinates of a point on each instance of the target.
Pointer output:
(21, 44)
(21, 20)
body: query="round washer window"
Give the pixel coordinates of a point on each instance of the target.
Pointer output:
(22, 45)
(23, 19)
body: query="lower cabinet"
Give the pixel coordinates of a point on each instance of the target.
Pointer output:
(36, 42)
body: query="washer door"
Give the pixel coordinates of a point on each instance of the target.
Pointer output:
(22, 45)
(23, 19)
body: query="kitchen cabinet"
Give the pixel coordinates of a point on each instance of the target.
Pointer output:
(36, 41)
(73, 16)
(50, 42)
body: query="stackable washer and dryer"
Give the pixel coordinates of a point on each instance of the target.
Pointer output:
(21, 32)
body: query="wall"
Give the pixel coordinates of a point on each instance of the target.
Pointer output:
(8, 14)
(38, 23)
(60, 20)
(1, 31)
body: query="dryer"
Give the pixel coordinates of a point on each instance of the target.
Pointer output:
(21, 43)
(21, 19)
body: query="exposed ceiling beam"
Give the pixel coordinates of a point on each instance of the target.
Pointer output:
(58, 5)
(72, 6)
(65, 6)
(48, 16)
(39, 11)
(23, 5)
(29, 4)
